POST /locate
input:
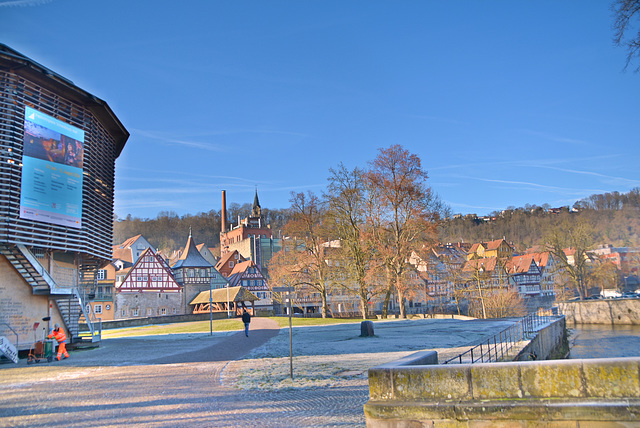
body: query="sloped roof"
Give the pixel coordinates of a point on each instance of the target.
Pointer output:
(494, 245)
(474, 247)
(236, 294)
(542, 259)
(520, 264)
(224, 259)
(191, 257)
(238, 271)
(124, 254)
(241, 267)
(129, 242)
(488, 264)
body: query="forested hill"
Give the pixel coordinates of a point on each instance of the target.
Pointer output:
(615, 218)
(168, 231)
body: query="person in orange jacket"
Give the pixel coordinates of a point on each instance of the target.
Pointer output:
(61, 338)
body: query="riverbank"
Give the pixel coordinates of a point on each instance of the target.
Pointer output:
(603, 311)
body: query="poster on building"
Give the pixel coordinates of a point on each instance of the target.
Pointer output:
(52, 163)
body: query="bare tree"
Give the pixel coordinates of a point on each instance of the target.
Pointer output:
(577, 239)
(627, 30)
(346, 197)
(303, 263)
(402, 215)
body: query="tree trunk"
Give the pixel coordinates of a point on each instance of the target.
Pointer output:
(385, 303)
(364, 303)
(387, 296)
(401, 302)
(365, 308)
(325, 306)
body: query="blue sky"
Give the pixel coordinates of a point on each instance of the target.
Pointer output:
(506, 102)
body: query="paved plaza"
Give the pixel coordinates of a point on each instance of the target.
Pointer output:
(224, 380)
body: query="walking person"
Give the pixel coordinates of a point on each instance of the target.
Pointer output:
(58, 334)
(246, 319)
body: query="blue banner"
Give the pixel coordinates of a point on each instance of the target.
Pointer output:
(52, 162)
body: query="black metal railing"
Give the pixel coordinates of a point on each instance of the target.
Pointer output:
(495, 348)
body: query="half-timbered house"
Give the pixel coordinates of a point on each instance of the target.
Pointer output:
(250, 277)
(149, 289)
(526, 274)
(194, 273)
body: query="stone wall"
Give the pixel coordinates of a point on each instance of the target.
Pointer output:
(603, 311)
(134, 322)
(148, 304)
(598, 392)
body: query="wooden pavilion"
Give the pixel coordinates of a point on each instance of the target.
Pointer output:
(237, 299)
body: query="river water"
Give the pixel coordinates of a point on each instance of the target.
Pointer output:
(604, 341)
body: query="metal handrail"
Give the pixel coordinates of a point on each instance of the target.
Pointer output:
(495, 347)
(14, 332)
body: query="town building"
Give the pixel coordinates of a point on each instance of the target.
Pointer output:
(195, 274)
(252, 237)
(249, 276)
(131, 249)
(498, 248)
(228, 262)
(526, 274)
(58, 147)
(149, 290)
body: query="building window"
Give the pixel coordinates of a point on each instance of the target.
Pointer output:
(203, 273)
(190, 273)
(163, 311)
(149, 312)
(174, 311)
(97, 309)
(230, 264)
(136, 312)
(102, 274)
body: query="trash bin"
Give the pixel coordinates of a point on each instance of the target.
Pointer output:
(48, 350)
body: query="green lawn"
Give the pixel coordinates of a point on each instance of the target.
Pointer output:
(218, 325)
(299, 322)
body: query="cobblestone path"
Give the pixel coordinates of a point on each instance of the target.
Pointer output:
(149, 384)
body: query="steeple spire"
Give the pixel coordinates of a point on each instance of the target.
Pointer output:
(257, 211)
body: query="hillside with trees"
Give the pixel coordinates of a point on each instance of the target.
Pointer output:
(614, 218)
(169, 232)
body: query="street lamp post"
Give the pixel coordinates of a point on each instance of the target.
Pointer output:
(210, 309)
(289, 292)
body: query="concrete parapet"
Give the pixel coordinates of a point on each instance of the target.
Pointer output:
(602, 392)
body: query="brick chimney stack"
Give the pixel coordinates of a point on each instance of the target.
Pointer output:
(223, 213)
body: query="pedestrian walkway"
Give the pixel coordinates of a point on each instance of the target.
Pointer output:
(174, 381)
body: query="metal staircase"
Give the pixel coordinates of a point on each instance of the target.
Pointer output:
(69, 300)
(39, 279)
